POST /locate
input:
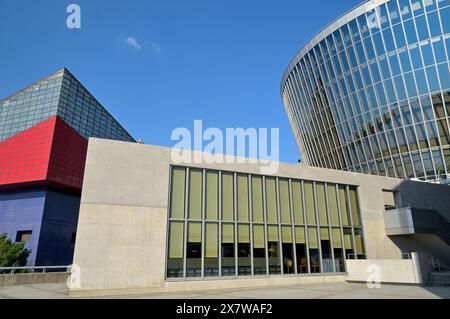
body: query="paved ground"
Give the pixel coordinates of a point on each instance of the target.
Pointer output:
(308, 291)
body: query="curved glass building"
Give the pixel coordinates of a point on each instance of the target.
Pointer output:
(371, 92)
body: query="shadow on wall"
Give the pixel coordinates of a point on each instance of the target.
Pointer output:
(419, 222)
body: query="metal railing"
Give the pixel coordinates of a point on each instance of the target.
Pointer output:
(34, 269)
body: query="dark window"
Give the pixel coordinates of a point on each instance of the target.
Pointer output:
(23, 235)
(74, 237)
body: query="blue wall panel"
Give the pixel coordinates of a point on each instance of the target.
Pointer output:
(52, 217)
(22, 210)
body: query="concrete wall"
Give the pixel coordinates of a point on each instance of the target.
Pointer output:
(405, 271)
(32, 278)
(122, 225)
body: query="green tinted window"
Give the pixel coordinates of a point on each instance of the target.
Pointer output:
(195, 194)
(227, 197)
(257, 199)
(271, 194)
(177, 193)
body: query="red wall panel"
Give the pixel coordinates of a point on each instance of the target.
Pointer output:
(49, 153)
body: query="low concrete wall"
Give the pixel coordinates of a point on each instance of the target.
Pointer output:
(33, 278)
(201, 285)
(396, 271)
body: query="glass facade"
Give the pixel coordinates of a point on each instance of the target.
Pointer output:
(373, 95)
(224, 224)
(63, 95)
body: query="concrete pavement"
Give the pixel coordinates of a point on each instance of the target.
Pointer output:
(305, 291)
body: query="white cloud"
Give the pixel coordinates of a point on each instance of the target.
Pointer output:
(157, 47)
(131, 41)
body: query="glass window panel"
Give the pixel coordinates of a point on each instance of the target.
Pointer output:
(343, 202)
(434, 24)
(445, 19)
(195, 233)
(359, 243)
(417, 162)
(284, 201)
(429, 5)
(228, 233)
(363, 28)
(258, 236)
(393, 12)
(227, 197)
(321, 204)
(194, 250)
(242, 185)
(259, 251)
(410, 85)
(176, 250)
(354, 31)
(439, 50)
(336, 234)
(212, 241)
(427, 108)
(297, 202)
(212, 195)
(378, 41)
(273, 249)
(438, 105)
(375, 72)
(333, 205)
(312, 237)
(447, 43)
(405, 9)
(433, 80)
(325, 244)
(348, 242)
(360, 52)
(352, 57)
(176, 239)
(346, 35)
(354, 206)
(300, 235)
(400, 88)
(313, 250)
(384, 67)
(272, 216)
(444, 75)
(244, 233)
(388, 40)
(410, 32)
(369, 48)
(177, 193)
(415, 57)
(422, 28)
(383, 16)
(195, 194)
(286, 234)
(427, 53)
(439, 163)
(399, 36)
(310, 206)
(257, 199)
(421, 82)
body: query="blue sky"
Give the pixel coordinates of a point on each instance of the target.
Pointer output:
(159, 65)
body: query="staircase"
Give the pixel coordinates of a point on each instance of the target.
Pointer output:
(439, 279)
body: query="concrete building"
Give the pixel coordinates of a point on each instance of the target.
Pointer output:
(147, 224)
(370, 93)
(43, 142)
